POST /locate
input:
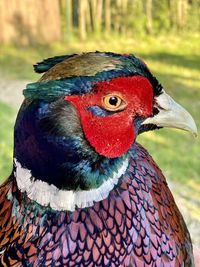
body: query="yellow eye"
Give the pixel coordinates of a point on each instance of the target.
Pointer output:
(113, 102)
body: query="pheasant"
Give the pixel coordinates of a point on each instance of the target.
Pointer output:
(82, 191)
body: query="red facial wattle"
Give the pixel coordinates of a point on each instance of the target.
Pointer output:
(112, 135)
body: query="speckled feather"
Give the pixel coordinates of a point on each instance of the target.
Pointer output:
(138, 225)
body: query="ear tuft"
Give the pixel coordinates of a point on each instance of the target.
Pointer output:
(48, 63)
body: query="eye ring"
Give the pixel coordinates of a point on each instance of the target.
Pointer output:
(113, 102)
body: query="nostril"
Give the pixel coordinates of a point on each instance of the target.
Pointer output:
(155, 111)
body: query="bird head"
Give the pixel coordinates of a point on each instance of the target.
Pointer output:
(81, 119)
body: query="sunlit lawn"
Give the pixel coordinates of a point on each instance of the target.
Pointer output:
(7, 116)
(175, 61)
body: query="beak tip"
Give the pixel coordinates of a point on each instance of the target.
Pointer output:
(193, 129)
(195, 134)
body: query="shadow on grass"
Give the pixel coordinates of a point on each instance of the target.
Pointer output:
(188, 61)
(180, 85)
(17, 62)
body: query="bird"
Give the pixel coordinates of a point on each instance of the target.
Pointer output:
(83, 191)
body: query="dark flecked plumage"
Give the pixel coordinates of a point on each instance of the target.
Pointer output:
(138, 225)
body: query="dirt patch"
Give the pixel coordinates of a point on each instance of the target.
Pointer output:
(11, 91)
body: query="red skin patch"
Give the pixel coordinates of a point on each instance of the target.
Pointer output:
(112, 135)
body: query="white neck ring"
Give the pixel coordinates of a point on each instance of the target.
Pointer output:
(49, 195)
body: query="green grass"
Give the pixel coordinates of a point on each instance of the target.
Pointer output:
(7, 117)
(175, 62)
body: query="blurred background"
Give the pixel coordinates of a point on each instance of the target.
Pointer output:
(165, 34)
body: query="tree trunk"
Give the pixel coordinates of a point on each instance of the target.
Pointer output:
(96, 13)
(179, 14)
(68, 19)
(93, 4)
(117, 16)
(184, 13)
(172, 14)
(124, 4)
(149, 24)
(182, 7)
(107, 16)
(29, 22)
(82, 19)
(88, 17)
(99, 11)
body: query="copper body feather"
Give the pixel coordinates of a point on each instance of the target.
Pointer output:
(138, 225)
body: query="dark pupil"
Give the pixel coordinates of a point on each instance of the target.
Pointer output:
(113, 100)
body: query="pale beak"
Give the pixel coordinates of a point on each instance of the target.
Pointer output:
(171, 114)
